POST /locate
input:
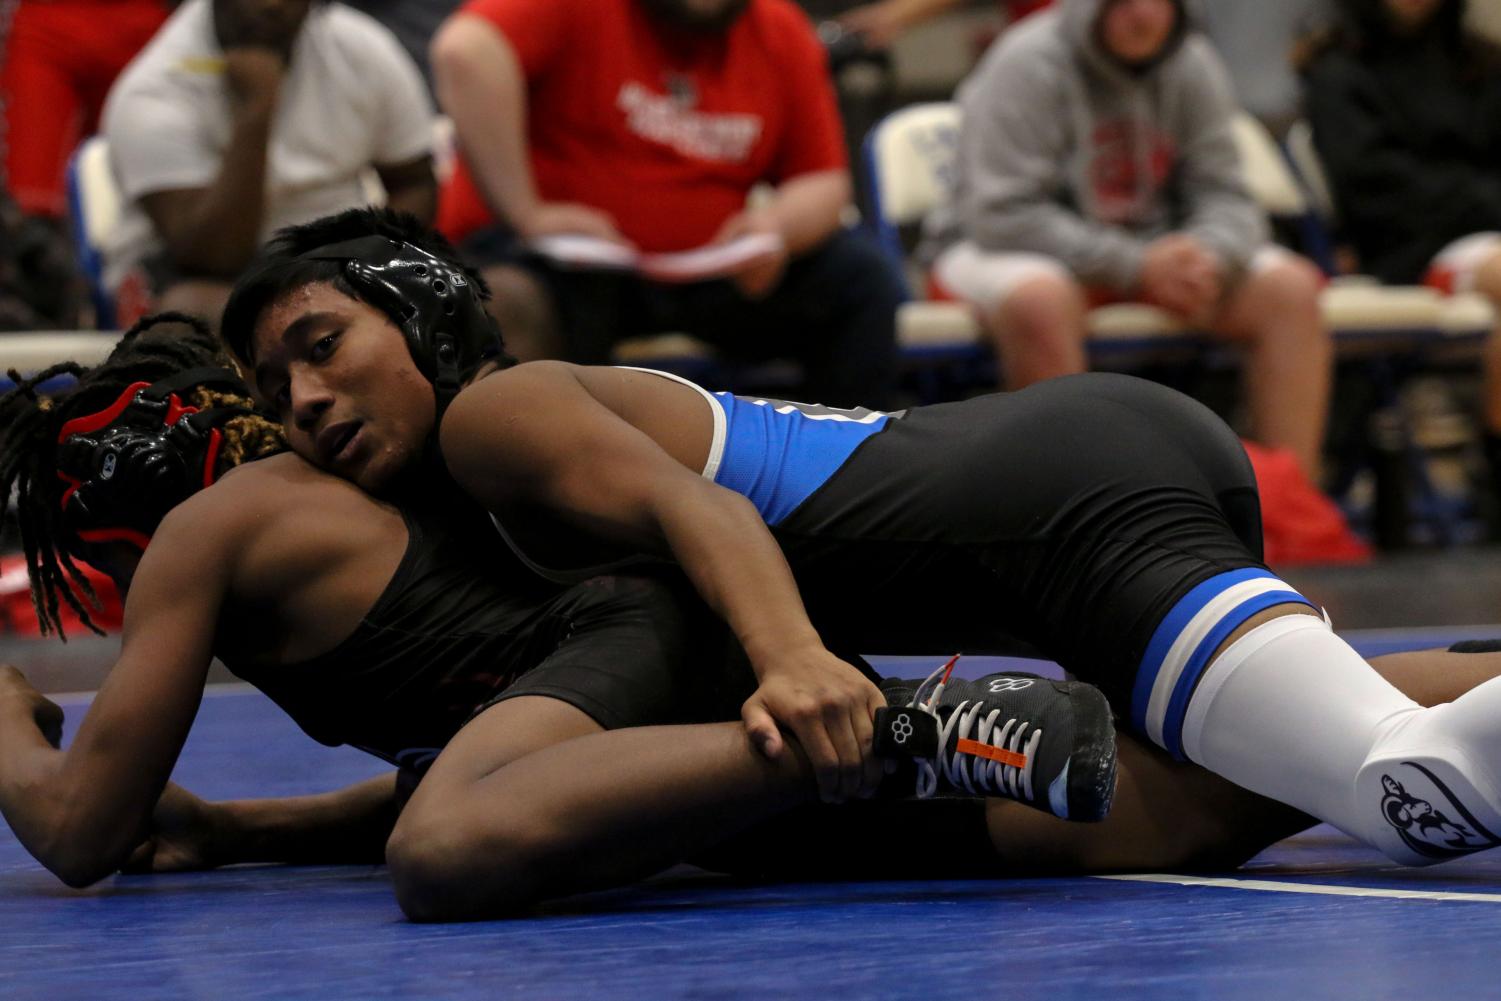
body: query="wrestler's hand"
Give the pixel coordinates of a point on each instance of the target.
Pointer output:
(829, 707)
(182, 838)
(19, 699)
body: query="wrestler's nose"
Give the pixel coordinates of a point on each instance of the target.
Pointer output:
(311, 398)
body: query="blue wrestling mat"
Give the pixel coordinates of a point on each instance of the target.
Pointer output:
(1315, 917)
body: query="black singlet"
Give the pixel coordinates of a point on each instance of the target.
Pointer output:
(462, 625)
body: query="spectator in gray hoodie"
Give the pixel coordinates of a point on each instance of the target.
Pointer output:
(1097, 164)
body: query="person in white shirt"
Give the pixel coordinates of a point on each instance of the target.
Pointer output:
(244, 116)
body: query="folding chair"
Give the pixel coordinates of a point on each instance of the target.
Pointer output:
(95, 208)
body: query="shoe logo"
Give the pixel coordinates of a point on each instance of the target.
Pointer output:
(901, 728)
(1440, 827)
(998, 685)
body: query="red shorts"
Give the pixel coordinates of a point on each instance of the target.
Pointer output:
(59, 61)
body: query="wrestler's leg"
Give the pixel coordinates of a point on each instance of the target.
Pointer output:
(491, 832)
(1173, 815)
(1431, 677)
(1167, 815)
(1239, 674)
(485, 835)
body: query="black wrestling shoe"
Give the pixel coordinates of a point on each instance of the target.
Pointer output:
(1050, 744)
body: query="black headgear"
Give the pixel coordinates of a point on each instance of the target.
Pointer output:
(129, 464)
(436, 306)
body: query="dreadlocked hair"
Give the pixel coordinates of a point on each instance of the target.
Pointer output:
(155, 348)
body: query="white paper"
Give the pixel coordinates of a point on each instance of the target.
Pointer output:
(714, 260)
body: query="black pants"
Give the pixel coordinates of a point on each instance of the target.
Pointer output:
(834, 312)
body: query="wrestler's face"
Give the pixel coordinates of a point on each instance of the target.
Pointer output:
(338, 374)
(1411, 15)
(1135, 31)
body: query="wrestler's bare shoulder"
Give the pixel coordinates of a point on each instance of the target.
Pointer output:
(533, 400)
(309, 552)
(283, 494)
(612, 385)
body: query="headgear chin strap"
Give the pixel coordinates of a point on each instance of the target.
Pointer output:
(432, 301)
(129, 464)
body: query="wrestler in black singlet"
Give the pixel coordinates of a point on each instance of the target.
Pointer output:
(462, 625)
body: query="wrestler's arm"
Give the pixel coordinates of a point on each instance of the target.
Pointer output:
(82, 811)
(347, 826)
(535, 434)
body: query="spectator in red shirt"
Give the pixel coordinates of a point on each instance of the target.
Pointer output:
(645, 124)
(57, 61)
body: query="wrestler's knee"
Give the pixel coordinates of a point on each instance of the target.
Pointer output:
(425, 859)
(446, 868)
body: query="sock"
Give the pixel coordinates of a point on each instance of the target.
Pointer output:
(1292, 712)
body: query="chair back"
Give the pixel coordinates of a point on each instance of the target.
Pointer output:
(1306, 161)
(1268, 176)
(95, 209)
(909, 159)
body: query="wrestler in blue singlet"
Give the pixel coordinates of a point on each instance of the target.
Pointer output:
(1129, 547)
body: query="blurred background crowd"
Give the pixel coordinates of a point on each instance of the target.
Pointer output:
(1291, 208)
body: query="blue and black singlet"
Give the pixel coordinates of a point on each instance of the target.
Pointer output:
(1071, 516)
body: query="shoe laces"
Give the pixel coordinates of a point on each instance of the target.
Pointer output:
(970, 725)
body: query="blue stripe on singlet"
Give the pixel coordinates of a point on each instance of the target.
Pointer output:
(778, 453)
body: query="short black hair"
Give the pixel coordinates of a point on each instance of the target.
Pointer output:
(155, 348)
(279, 267)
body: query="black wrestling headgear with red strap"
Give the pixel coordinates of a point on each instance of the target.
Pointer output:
(129, 464)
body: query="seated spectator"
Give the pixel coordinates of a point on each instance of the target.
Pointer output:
(1405, 105)
(1096, 164)
(58, 61)
(243, 116)
(645, 124)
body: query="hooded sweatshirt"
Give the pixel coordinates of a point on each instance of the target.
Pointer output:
(1065, 151)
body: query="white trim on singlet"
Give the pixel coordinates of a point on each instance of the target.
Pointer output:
(716, 445)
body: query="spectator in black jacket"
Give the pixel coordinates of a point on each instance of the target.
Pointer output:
(1405, 103)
